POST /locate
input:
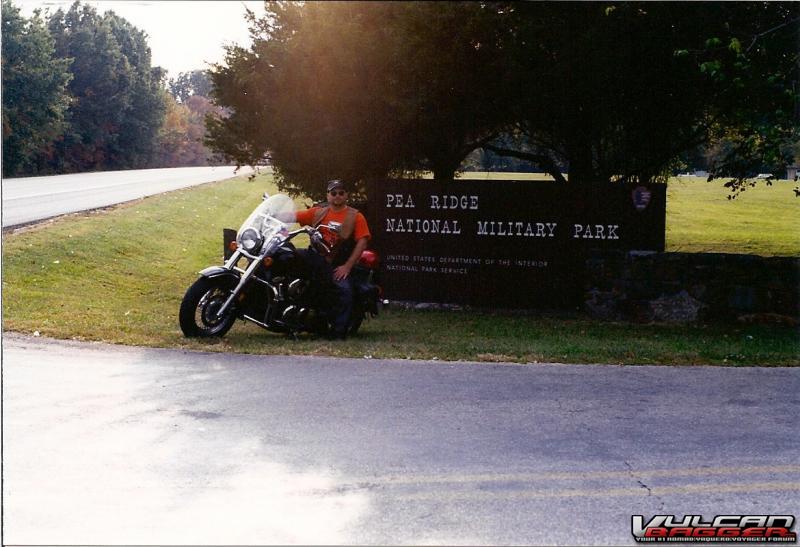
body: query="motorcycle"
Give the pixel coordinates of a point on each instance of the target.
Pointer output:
(276, 288)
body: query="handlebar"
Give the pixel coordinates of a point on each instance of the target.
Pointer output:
(314, 234)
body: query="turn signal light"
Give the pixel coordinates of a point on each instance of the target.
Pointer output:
(267, 261)
(233, 245)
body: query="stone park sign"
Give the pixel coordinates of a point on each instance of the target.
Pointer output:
(517, 244)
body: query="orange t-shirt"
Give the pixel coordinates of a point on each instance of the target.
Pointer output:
(360, 229)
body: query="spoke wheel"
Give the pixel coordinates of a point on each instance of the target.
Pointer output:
(198, 314)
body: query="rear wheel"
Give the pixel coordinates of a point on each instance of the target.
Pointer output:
(202, 301)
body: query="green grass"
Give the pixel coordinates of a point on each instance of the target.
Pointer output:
(118, 275)
(764, 220)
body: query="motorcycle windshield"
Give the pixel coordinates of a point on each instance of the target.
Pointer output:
(271, 216)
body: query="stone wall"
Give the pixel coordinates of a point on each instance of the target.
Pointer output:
(684, 287)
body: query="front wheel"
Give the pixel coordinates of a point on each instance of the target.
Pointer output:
(198, 315)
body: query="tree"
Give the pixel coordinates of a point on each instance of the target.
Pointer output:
(139, 131)
(619, 91)
(174, 135)
(118, 100)
(183, 132)
(34, 91)
(610, 91)
(450, 81)
(296, 95)
(356, 90)
(195, 82)
(596, 78)
(759, 68)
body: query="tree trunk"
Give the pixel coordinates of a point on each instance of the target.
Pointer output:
(444, 171)
(542, 160)
(581, 170)
(444, 175)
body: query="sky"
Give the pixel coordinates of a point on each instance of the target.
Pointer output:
(183, 35)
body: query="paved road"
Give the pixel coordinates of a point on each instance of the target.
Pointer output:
(113, 445)
(36, 198)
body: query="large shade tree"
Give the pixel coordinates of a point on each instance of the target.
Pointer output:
(605, 91)
(356, 90)
(619, 91)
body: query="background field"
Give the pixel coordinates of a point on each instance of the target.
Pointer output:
(119, 274)
(764, 220)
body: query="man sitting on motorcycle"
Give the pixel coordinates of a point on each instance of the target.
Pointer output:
(346, 244)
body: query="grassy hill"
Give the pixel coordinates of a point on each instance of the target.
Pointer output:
(119, 274)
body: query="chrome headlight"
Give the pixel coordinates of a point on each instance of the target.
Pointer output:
(251, 240)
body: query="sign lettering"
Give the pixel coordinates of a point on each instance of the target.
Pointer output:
(520, 244)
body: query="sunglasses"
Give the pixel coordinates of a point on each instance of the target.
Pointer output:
(337, 192)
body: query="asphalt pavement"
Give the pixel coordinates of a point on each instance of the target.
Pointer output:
(31, 199)
(121, 445)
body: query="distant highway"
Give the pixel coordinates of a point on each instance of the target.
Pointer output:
(37, 198)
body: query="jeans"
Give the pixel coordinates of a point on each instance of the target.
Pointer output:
(343, 306)
(337, 296)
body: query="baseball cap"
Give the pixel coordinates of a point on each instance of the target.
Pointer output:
(333, 184)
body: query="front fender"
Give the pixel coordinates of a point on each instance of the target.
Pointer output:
(214, 272)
